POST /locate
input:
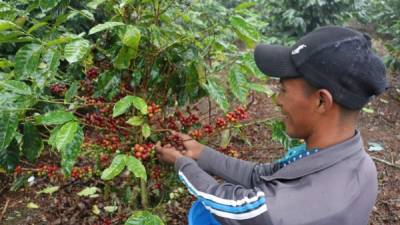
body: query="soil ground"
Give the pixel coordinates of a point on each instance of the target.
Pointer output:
(382, 126)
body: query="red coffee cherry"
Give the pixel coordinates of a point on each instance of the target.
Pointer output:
(92, 73)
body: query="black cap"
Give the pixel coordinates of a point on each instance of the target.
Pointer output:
(334, 58)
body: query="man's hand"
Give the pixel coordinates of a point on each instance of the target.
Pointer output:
(167, 153)
(193, 148)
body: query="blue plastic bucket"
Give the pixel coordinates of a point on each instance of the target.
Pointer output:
(199, 215)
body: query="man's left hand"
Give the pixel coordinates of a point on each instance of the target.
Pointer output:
(167, 153)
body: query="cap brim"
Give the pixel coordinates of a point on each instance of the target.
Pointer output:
(274, 60)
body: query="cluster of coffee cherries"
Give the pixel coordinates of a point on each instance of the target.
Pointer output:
(92, 73)
(153, 108)
(18, 170)
(208, 129)
(156, 175)
(41, 170)
(94, 101)
(112, 124)
(196, 134)
(87, 86)
(229, 150)
(47, 170)
(187, 121)
(176, 193)
(239, 114)
(232, 117)
(175, 141)
(104, 64)
(113, 143)
(220, 122)
(107, 141)
(171, 123)
(80, 172)
(104, 108)
(104, 159)
(58, 89)
(142, 152)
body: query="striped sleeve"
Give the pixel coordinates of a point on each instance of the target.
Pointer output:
(228, 202)
(236, 171)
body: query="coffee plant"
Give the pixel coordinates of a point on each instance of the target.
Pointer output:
(288, 20)
(97, 83)
(385, 17)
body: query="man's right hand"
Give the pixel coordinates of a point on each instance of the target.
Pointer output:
(193, 149)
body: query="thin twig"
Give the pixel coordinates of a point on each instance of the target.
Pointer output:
(385, 162)
(4, 209)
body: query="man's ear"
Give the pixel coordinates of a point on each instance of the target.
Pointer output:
(325, 100)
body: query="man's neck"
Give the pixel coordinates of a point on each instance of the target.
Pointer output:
(324, 138)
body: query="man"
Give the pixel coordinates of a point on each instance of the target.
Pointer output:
(326, 78)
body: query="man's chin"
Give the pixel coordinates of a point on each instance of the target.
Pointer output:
(291, 133)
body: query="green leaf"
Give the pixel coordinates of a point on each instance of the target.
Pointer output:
(87, 14)
(116, 167)
(15, 37)
(135, 121)
(46, 5)
(124, 57)
(53, 135)
(122, 105)
(110, 209)
(144, 218)
(52, 59)
(238, 84)
(261, 88)
(32, 205)
(60, 40)
(49, 190)
(9, 157)
(191, 82)
(201, 72)
(66, 134)
(5, 25)
(75, 51)
(17, 87)
(96, 210)
(246, 32)
(245, 5)
(368, 110)
(32, 142)
(19, 182)
(131, 37)
(27, 60)
(140, 104)
(88, 191)
(5, 63)
(36, 26)
(55, 118)
(146, 130)
(71, 151)
(95, 3)
(136, 167)
(72, 91)
(8, 128)
(107, 85)
(104, 26)
(217, 93)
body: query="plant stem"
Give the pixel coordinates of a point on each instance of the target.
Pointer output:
(143, 192)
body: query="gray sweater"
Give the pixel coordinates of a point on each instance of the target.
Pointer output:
(334, 186)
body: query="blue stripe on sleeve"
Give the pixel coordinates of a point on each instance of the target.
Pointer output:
(246, 207)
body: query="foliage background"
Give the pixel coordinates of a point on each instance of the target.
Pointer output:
(172, 53)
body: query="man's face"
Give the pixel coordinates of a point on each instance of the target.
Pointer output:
(297, 108)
